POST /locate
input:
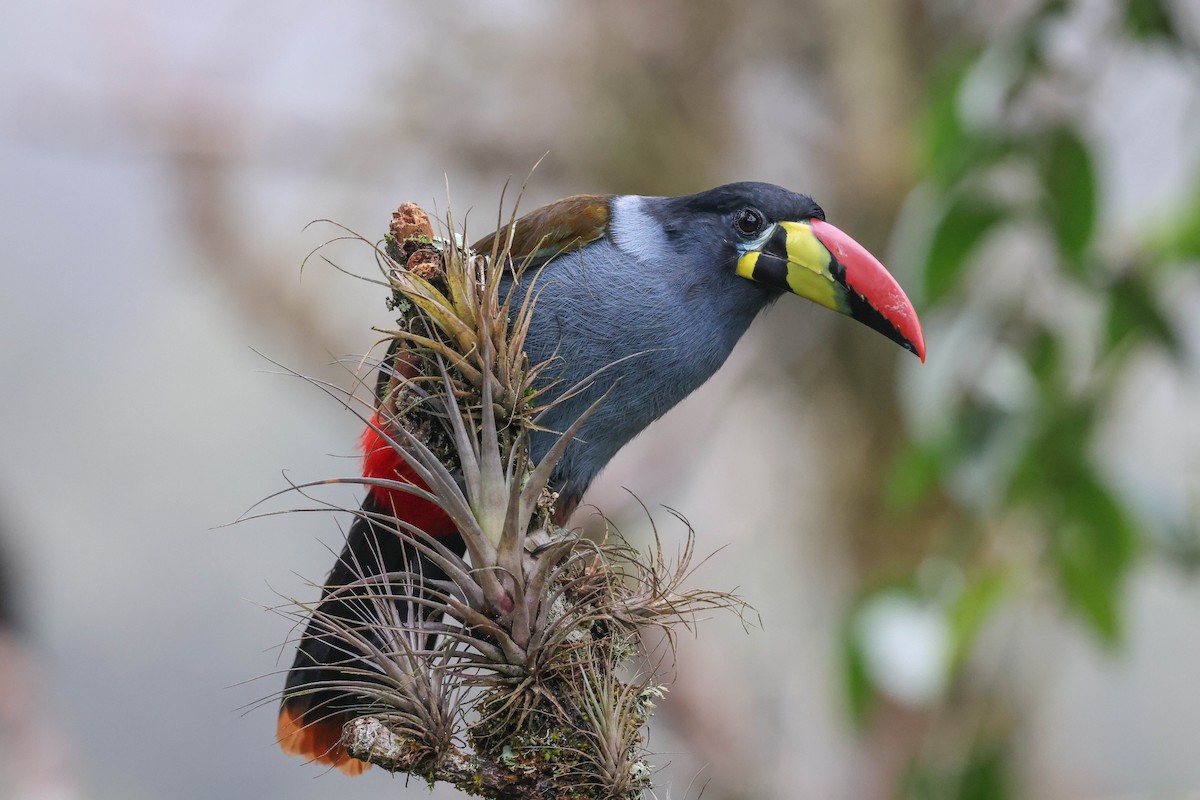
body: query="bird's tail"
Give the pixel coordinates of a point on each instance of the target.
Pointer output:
(316, 702)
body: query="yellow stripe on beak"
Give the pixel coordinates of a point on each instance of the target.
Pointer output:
(792, 259)
(808, 263)
(746, 264)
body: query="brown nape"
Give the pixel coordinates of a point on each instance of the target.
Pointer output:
(319, 741)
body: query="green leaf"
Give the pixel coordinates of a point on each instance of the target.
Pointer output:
(1094, 599)
(1055, 454)
(985, 775)
(1149, 19)
(860, 692)
(973, 607)
(1134, 313)
(1054, 8)
(1182, 240)
(1093, 549)
(1092, 543)
(1070, 183)
(1045, 361)
(950, 150)
(960, 229)
(988, 774)
(915, 473)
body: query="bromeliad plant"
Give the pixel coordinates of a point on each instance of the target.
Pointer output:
(510, 677)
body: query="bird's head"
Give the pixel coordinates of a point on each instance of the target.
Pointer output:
(779, 240)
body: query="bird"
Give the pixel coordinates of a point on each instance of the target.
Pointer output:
(647, 294)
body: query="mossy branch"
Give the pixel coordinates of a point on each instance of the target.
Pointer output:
(370, 739)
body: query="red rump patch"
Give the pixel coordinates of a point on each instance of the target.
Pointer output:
(381, 461)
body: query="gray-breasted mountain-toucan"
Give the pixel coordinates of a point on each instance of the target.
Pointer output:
(650, 295)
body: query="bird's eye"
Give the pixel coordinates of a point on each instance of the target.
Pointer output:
(748, 222)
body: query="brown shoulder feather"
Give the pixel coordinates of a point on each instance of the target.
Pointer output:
(560, 227)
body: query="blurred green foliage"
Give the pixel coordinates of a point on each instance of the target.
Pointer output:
(1069, 200)
(1090, 535)
(1083, 538)
(985, 776)
(966, 221)
(1146, 19)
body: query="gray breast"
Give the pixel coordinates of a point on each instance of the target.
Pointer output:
(651, 333)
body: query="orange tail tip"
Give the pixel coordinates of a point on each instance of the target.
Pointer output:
(319, 741)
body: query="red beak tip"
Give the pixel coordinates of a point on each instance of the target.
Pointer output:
(918, 345)
(866, 276)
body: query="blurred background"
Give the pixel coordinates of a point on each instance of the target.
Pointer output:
(976, 577)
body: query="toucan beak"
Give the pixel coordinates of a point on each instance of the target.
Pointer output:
(815, 260)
